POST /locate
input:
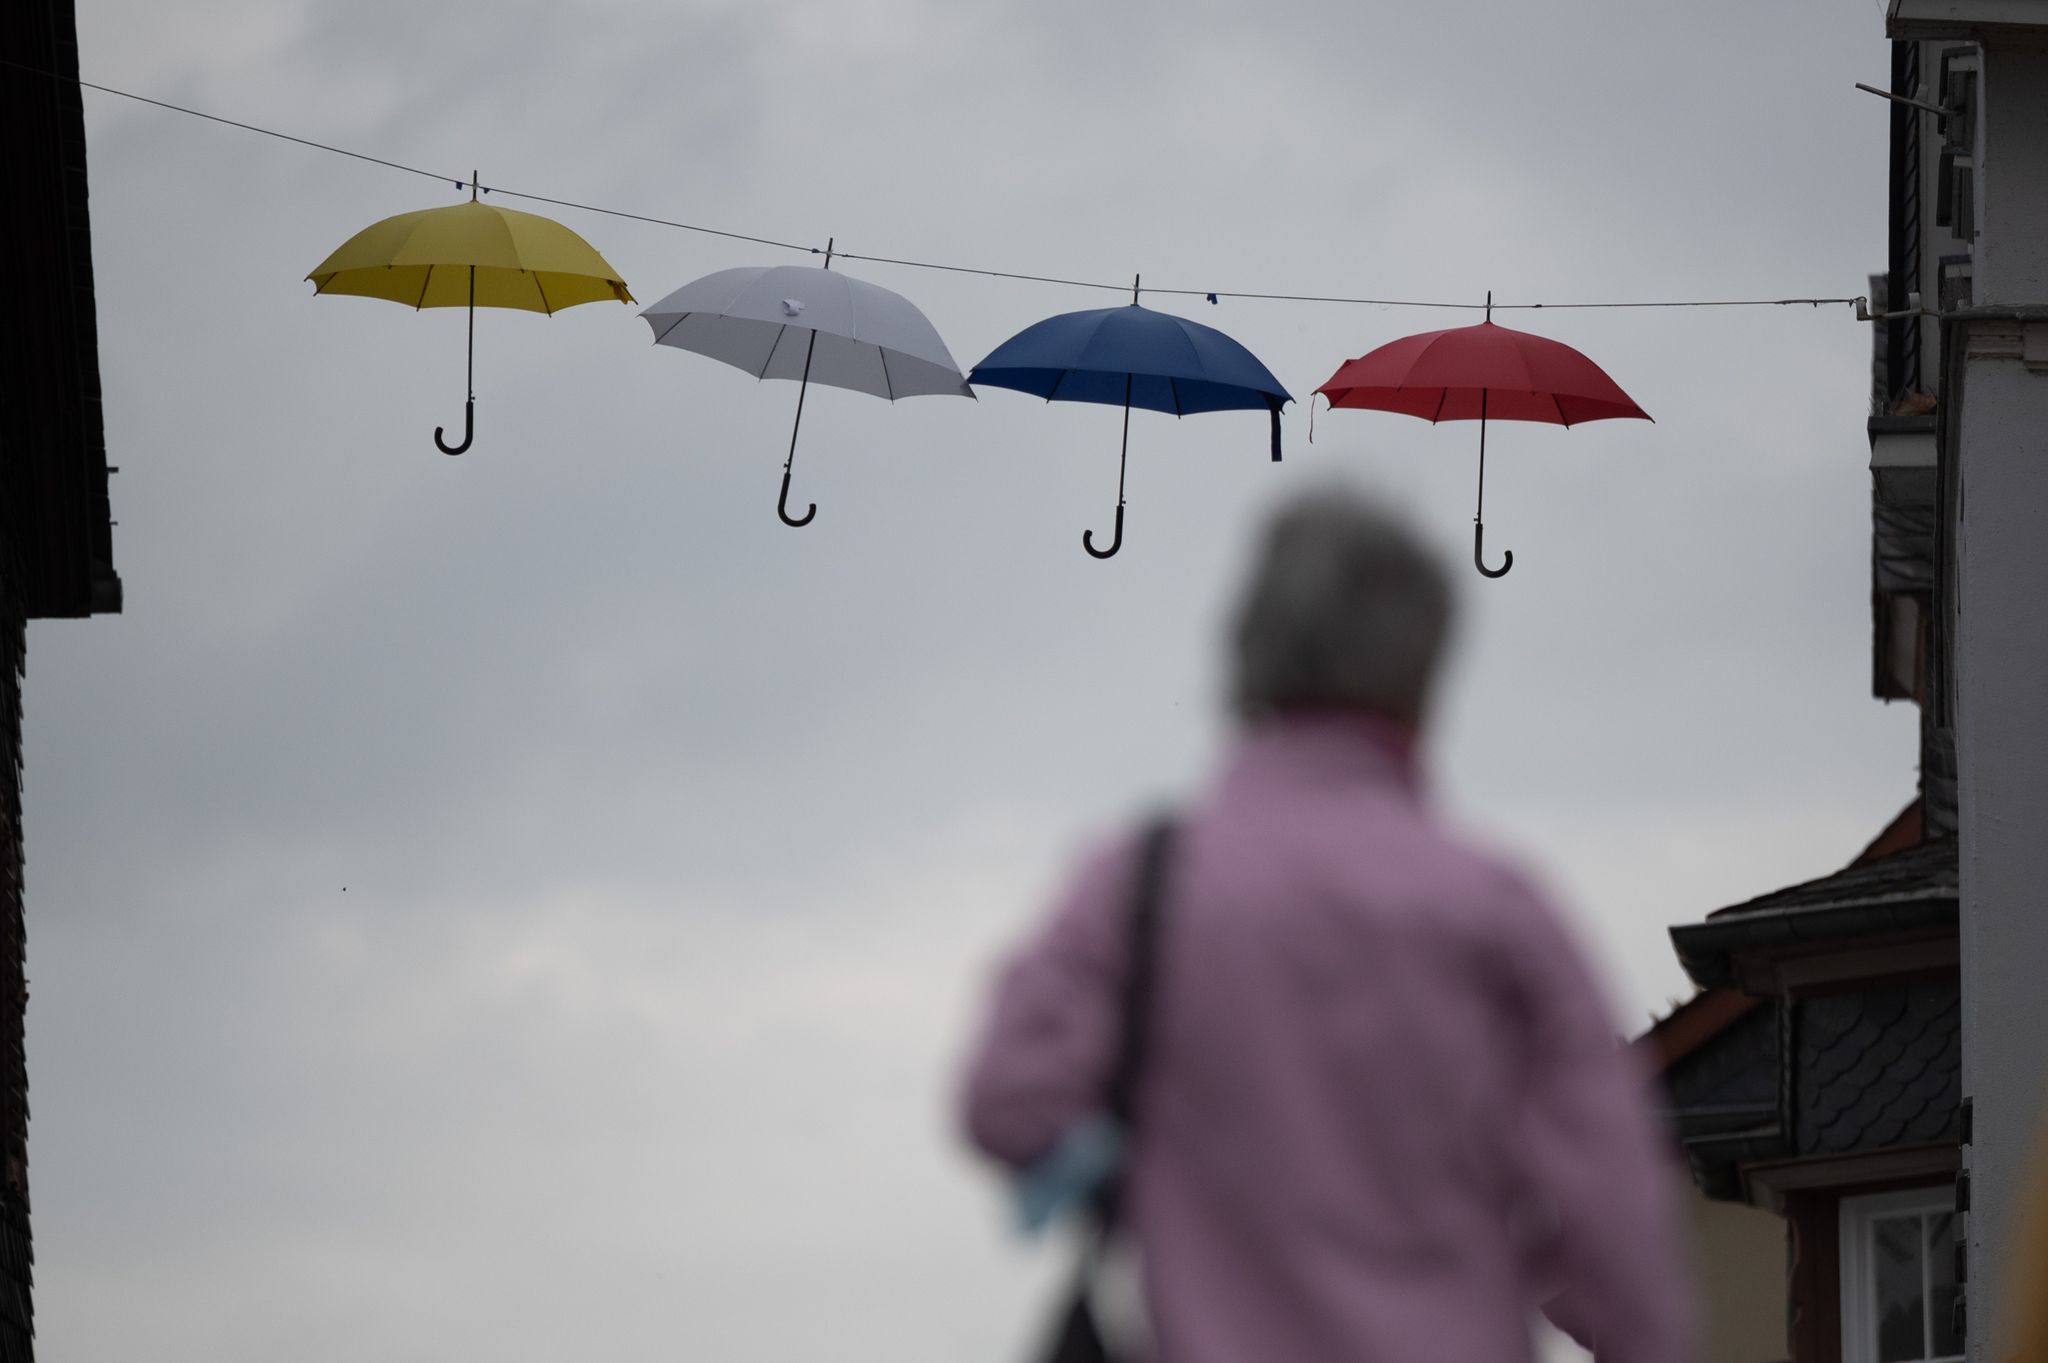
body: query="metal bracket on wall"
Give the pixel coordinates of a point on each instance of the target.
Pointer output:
(2034, 347)
(1943, 114)
(1912, 309)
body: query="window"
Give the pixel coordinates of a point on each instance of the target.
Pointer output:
(1899, 1278)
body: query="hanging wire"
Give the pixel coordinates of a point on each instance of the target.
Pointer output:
(232, 123)
(658, 222)
(1694, 303)
(1212, 295)
(992, 274)
(456, 180)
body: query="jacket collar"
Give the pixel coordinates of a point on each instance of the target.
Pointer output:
(1324, 746)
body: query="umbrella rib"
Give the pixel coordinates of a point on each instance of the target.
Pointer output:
(681, 318)
(425, 280)
(887, 382)
(773, 346)
(852, 314)
(1054, 391)
(543, 294)
(1173, 387)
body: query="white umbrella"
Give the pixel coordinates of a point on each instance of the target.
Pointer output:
(809, 324)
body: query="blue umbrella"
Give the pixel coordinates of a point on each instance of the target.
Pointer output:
(1139, 358)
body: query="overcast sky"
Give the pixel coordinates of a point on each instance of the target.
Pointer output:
(527, 906)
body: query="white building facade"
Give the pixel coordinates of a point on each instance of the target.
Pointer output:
(1977, 245)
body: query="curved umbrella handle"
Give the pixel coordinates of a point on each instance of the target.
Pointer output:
(468, 430)
(1507, 560)
(1116, 543)
(782, 502)
(782, 505)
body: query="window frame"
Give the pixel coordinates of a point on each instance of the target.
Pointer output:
(1856, 1256)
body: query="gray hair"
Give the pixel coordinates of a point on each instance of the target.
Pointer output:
(1346, 607)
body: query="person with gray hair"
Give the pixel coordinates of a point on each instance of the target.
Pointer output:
(1372, 1105)
(1347, 609)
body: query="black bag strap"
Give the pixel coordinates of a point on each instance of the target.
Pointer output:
(1142, 923)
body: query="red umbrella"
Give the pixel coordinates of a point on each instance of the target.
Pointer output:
(1477, 372)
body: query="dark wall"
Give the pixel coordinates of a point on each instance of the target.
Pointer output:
(56, 533)
(56, 511)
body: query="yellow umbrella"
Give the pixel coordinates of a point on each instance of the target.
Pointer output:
(469, 254)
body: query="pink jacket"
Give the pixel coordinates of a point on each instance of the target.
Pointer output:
(1385, 1115)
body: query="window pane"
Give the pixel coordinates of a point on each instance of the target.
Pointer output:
(1895, 1244)
(1941, 1251)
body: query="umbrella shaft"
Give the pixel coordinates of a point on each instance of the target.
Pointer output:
(1479, 511)
(1123, 454)
(802, 387)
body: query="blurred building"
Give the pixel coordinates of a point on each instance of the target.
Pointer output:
(1868, 1055)
(1816, 1080)
(56, 539)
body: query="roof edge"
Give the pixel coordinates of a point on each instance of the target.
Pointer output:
(1704, 949)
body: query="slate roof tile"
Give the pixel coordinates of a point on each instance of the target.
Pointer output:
(1878, 1068)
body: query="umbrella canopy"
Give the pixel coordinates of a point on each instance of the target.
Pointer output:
(1466, 373)
(427, 259)
(465, 255)
(1168, 363)
(1134, 357)
(764, 320)
(1475, 373)
(815, 326)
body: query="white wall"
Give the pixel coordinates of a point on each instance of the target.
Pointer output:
(2002, 752)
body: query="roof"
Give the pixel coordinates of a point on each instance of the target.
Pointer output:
(1907, 894)
(1869, 1063)
(1909, 829)
(1692, 1025)
(55, 524)
(1911, 873)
